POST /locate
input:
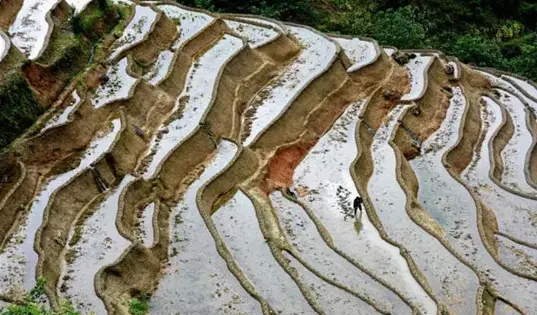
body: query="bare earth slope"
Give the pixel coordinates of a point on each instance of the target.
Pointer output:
(212, 162)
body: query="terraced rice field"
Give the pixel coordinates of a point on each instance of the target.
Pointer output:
(212, 162)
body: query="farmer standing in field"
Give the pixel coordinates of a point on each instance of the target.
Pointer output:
(357, 204)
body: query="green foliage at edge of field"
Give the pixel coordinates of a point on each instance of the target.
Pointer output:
(489, 33)
(31, 304)
(83, 23)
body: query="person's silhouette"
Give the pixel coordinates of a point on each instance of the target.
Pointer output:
(357, 204)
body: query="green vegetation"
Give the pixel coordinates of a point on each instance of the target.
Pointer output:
(140, 305)
(62, 43)
(84, 23)
(18, 108)
(122, 15)
(32, 304)
(488, 33)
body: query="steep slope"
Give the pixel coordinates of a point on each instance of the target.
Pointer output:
(212, 162)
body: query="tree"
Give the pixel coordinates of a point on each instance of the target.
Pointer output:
(399, 28)
(526, 63)
(479, 50)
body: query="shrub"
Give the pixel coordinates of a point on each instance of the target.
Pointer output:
(400, 28)
(18, 108)
(139, 306)
(526, 63)
(477, 49)
(83, 23)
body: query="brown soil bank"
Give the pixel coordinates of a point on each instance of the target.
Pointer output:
(16, 202)
(246, 74)
(60, 216)
(473, 84)
(11, 172)
(391, 83)
(423, 120)
(298, 113)
(385, 97)
(116, 284)
(64, 208)
(8, 12)
(498, 144)
(532, 165)
(162, 37)
(58, 143)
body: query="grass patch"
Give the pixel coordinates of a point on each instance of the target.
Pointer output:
(97, 10)
(61, 43)
(140, 305)
(11, 64)
(83, 23)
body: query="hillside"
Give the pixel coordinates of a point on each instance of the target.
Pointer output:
(191, 162)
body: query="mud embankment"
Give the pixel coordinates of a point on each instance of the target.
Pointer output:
(13, 172)
(8, 12)
(461, 155)
(532, 160)
(333, 85)
(424, 119)
(183, 59)
(382, 100)
(16, 202)
(241, 92)
(163, 35)
(63, 209)
(499, 142)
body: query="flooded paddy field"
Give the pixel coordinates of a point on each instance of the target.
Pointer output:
(211, 163)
